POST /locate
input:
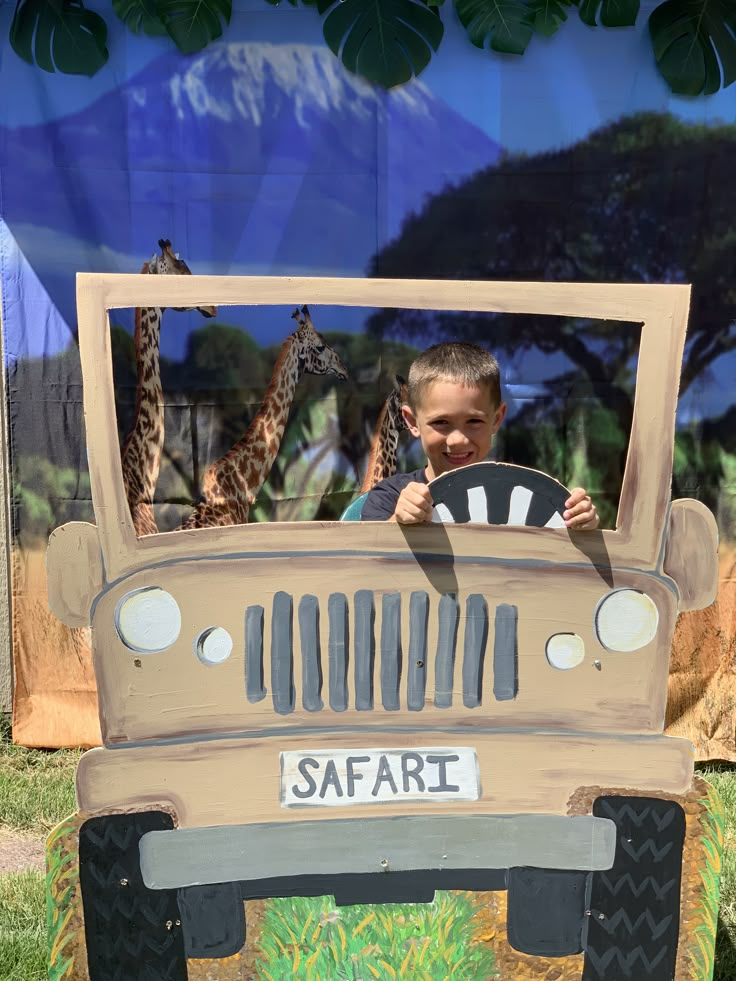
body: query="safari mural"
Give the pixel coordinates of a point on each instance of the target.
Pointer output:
(263, 156)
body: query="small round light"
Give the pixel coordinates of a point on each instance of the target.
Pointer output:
(625, 620)
(148, 620)
(213, 646)
(565, 651)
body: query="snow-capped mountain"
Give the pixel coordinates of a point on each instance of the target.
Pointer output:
(252, 157)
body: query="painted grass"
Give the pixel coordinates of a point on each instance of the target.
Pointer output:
(705, 917)
(62, 876)
(312, 940)
(724, 780)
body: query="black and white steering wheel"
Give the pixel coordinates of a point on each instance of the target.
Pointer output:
(498, 494)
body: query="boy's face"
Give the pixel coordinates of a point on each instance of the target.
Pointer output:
(456, 425)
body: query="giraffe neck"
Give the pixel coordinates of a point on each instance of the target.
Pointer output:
(144, 444)
(253, 455)
(382, 459)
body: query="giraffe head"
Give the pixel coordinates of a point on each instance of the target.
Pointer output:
(169, 263)
(396, 399)
(316, 357)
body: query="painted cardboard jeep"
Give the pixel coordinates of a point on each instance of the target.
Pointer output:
(375, 712)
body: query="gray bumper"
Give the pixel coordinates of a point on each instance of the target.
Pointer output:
(249, 852)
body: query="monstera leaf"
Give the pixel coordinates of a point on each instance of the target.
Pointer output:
(385, 41)
(506, 23)
(694, 44)
(613, 13)
(140, 16)
(547, 15)
(59, 35)
(192, 24)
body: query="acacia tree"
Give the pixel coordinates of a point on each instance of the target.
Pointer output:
(646, 199)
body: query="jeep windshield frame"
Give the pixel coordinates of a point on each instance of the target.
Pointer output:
(636, 541)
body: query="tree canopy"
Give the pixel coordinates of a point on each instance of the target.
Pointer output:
(646, 199)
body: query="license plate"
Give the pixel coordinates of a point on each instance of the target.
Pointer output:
(340, 777)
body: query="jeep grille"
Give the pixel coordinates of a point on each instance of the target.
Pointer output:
(351, 651)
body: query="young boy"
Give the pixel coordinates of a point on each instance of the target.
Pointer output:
(455, 409)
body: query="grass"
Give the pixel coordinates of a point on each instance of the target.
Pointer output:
(23, 919)
(37, 792)
(36, 787)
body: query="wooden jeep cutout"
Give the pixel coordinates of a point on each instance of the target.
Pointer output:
(371, 712)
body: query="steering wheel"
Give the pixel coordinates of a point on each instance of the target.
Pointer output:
(498, 494)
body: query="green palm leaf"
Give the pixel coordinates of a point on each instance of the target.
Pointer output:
(140, 16)
(506, 24)
(59, 35)
(192, 24)
(694, 44)
(385, 41)
(613, 13)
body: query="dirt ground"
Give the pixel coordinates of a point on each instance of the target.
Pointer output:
(20, 851)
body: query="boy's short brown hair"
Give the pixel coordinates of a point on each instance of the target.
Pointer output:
(455, 361)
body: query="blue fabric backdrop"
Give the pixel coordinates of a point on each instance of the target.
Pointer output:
(263, 155)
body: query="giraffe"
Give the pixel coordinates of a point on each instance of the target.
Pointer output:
(232, 482)
(385, 440)
(142, 447)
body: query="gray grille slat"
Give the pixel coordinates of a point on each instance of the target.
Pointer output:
(505, 653)
(282, 654)
(364, 641)
(337, 649)
(365, 648)
(311, 653)
(417, 680)
(390, 651)
(444, 664)
(476, 636)
(254, 688)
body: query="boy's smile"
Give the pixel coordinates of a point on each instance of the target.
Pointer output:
(455, 423)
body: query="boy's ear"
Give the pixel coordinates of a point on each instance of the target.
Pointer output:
(499, 417)
(410, 420)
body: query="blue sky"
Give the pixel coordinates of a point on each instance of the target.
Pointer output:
(561, 89)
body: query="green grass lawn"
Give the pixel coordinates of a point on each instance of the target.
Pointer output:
(36, 788)
(36, 792)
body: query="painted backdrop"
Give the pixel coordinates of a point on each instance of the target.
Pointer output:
(262, 155)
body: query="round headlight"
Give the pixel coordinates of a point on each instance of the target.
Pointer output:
(565, 651)
(214, 645)
(148, 620)
(625, 620)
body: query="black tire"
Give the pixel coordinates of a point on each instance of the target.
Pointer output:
(499, 494)
(634, 908)
(132, 933)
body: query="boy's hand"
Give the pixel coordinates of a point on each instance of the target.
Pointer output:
(414, 505)
(581, 514)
